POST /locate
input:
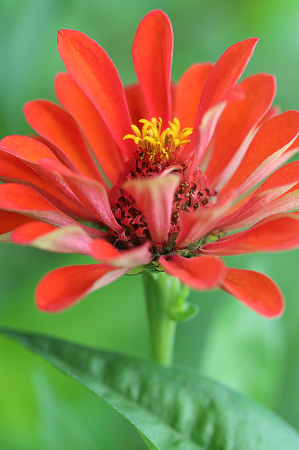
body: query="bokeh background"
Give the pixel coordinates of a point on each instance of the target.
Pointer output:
(41, 409)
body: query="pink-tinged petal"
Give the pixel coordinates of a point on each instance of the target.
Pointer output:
(154, 197)
(104, 251)
(255, 290)
(237, 120)
(224, 75)
(90, 192)
(55, 150)
(202, 138)
(96, 75)
(271, 141)
(57, 126)
(273, 111)
(136, 104)
(152, 58)
(200, 273)
(12, 167)
(95, 130)
(10, 221)
(58, 291)
(270, 235)
(284, 204)
(14, 170)
(29, 232)
(70, 239)
(196, 225)
(24, 200)
(260, 204)
(31, 152)
(188, 93)
(295, 145)
(21, 150)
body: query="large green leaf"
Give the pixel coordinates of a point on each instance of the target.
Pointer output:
(173, 408)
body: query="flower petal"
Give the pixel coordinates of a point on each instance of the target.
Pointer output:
(188, 92)
(99, 137)
(136, 103)
(237, 119)
(152, 57)
(282, 205)
(104, 251)
(276, 233)
(270, 142)
(58, 291)
(11, 167)
(200, 142)
(196, 225)
(24, 200)
(154, 197)
(90, 192)
(57, 126)
(96, 75)
(31, 152)
(200, 273)
(255, 290)
(265, 200)
(10, 220)
(224, 75)
(70, 239)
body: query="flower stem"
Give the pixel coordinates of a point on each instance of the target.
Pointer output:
(164, 294)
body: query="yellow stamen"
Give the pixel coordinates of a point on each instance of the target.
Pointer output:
(154, 143)
(136, 130)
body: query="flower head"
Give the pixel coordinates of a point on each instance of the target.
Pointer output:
(182, 178)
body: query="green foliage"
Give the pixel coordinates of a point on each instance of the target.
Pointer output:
(175, 409)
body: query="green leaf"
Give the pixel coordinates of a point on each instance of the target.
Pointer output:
(173, 408)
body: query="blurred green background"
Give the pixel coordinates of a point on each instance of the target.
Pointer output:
(40, 409)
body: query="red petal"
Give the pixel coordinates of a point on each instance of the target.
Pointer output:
(13, 168)
(200, 273)
(70, 239)
(57, 126)
(96, 75)
(255, 290)
(224, 75)
(263, 201)
(24, 200)
(103, 251)
(200, 142)
(99, 137)
(58, 291)
(29, 232)
(188, 92)
(270, 142)
(280, 233)
(10, 220)
(90, 192)
(152, 57)
(154, 197)
(136, 103)
(237, 120)
(31, 152)
(196, 225)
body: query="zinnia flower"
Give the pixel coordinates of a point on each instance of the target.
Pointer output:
(159, 175)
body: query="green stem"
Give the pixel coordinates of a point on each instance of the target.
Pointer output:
(163, 294)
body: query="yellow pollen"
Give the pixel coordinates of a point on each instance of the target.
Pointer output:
(154, 143)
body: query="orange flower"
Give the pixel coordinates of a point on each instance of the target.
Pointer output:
(181, 171)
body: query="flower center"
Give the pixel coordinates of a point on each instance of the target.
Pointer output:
(157, 145)
(156, 152)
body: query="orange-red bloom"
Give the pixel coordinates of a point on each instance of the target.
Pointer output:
(182, 171)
